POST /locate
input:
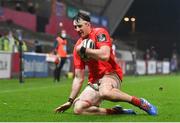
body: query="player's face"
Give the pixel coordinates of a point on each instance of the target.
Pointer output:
(82, 27)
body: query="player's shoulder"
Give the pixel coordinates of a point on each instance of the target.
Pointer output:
(100, 29)
(99, 32)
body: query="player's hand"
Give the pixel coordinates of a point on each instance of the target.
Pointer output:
(63, 107)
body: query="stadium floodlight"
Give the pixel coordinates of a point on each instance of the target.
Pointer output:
(133, 19)
(126, 19)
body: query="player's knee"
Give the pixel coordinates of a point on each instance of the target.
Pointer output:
(78, 108)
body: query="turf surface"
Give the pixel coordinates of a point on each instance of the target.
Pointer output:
(35, 100)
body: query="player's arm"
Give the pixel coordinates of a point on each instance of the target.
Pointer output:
(99, 54)
(103, 53)
(77, 83)
(76, 86)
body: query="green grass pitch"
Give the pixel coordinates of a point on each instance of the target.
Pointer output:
(37, 97)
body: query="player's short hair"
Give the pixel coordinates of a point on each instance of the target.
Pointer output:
(83, 16)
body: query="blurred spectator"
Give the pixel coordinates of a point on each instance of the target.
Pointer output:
(31, 8)
(37, 47)
(1, 43)
(133, 53)
(60, 48)
(13, 46)
(6, 43)
(153, 53)
(10, 43)
(18, 7)
(174, 63)
(24, 46)
(16, 47)
(147, 55)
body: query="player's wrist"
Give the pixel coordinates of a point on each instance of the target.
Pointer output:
(83, 50)
(71, 100)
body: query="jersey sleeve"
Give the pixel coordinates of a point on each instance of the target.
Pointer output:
(102, 38)
(78, 63)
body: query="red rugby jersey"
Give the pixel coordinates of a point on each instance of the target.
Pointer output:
(97, 69)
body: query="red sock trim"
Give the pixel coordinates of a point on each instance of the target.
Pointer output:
(110, 111)
(136, 101)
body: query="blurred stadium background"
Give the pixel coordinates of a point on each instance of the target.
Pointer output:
(145, 33)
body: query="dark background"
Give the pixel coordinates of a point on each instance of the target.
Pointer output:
(157, 24)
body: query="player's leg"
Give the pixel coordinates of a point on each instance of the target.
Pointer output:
(55, 73)
(94, 110)
(58, 73)
(88, 104)
(109, 90)
(83, 107)
(63, 61)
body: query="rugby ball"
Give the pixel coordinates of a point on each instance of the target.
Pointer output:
(87, 43)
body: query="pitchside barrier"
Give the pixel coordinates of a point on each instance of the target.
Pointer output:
(36, 65)
(141, 67)
(5, 64)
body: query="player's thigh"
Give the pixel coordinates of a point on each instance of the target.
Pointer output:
(88, 97)
(108, 82)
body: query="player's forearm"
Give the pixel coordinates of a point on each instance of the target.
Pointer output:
(76, 86)
(99, 54)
